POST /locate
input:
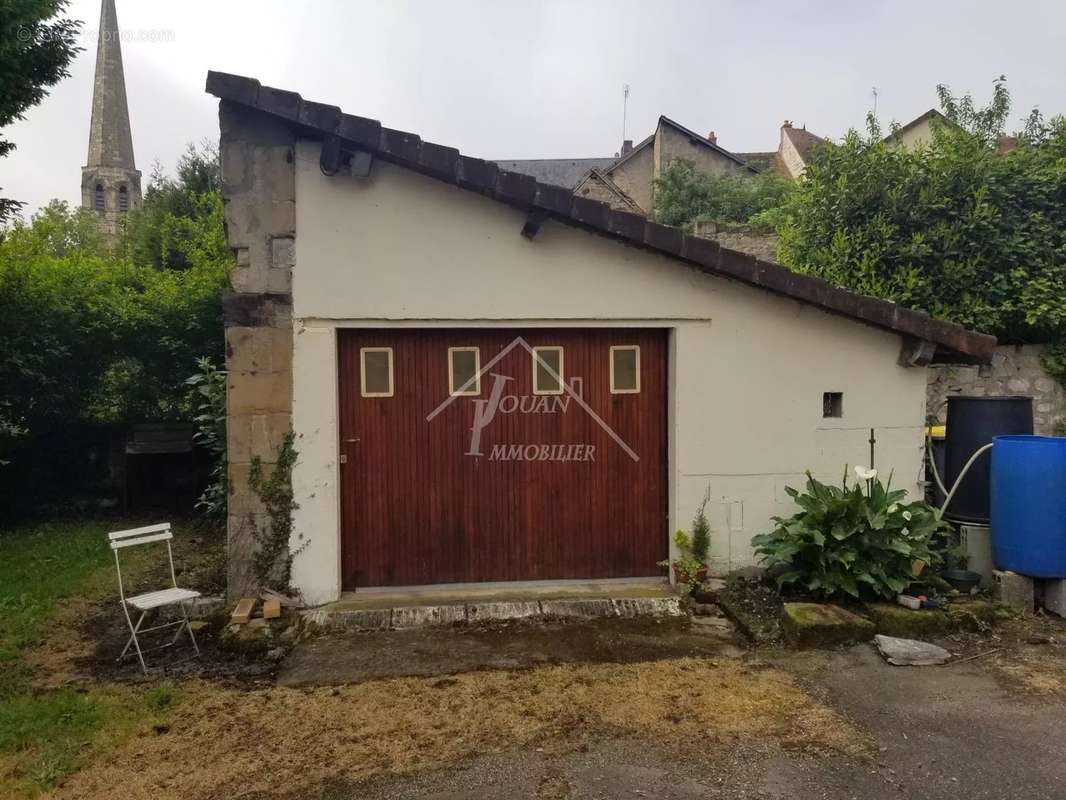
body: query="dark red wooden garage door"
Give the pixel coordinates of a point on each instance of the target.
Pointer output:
(551, 487)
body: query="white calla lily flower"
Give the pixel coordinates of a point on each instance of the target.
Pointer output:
(907, 516)
(865, 473)
(892, 509)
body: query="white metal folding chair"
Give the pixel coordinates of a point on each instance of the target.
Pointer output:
(151, 600)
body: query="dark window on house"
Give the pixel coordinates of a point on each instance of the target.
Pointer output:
(98, 197)
(548, 370)
(464, 367)
(376, 371)
(625, 369)
(123, 199)
(833, 404)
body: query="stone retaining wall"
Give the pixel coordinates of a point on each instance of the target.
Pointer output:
(1015, 369)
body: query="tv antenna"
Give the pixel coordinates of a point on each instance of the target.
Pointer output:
(625, 108)
(875, 93)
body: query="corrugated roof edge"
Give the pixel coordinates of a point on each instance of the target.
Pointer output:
(954, 342)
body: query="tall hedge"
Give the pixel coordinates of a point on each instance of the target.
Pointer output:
(955, 228)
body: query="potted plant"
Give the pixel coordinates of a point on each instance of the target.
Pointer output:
(690, 567)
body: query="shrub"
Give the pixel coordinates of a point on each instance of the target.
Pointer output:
(683, 194)
(847, 541)
(208, 399)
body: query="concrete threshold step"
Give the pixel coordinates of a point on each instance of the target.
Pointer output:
(403, 617)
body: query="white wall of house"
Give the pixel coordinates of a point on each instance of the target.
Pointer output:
(747, 369)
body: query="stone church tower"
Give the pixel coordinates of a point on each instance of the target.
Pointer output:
(110, 182)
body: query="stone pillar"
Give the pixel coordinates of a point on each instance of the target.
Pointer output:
(259, 188)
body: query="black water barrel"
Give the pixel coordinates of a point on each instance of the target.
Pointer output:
(972, 422)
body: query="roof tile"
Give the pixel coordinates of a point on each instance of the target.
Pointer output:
(407, 150)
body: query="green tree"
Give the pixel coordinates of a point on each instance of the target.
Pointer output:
(35, 51)
(180, 221)
(952, 227)
(683, 195)
(93, 337)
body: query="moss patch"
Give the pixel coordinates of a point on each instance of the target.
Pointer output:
(894, 620)
(817, 625)
(976, 615)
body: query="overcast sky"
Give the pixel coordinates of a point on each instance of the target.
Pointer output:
(526, 79)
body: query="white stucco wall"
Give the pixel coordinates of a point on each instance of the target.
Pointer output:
(747, 369)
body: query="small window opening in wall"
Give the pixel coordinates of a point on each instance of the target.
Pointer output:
(98, 197)
(625, 369)
(375, 367)
(464, 366)
(123, 199)
(833, 404)
(548, 370)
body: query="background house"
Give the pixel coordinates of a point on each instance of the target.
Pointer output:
(627, 182)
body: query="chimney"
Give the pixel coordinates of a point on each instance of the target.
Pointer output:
(787, 124)
(627, 147)
(712, 137)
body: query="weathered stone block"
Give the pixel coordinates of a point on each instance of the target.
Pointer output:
(1055, 596)
(242, 500)
(481, 612)
(259, 392)
(585, 609)
(282, 252)
(1013, 590)
(283, 217)
(374, 619)
(816, 625)
(895, 620)
(239, 439)
(647, 607)
(910, 653)
(425, 616)
(279, 281)
(267, 433)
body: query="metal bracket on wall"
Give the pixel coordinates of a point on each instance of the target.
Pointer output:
(534, 219)
(916, 352)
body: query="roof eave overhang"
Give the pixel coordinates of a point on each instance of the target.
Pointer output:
(953, 343)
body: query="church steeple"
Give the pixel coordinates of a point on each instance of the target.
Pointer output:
(110, 181)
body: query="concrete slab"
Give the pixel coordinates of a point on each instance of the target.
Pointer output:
(1014, 590)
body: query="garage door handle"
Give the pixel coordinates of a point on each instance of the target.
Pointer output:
(351, 440)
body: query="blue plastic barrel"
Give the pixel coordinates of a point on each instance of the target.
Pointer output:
(1029, 505)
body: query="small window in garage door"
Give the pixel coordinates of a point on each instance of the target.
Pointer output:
(625, 369)
(375, 371)
(548, 370)
(464, 366)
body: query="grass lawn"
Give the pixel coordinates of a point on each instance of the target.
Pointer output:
(47, 733)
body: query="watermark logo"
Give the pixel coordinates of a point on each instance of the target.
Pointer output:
(500, 401)
(26, 34)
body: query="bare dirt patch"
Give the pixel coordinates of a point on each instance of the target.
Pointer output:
(268, 741)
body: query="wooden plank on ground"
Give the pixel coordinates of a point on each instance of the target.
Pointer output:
(271, 609)
(243, 612)
(284, 599)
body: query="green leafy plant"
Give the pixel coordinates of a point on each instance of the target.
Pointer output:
(851, 540)
(956, 227)
(273, 557)
(690, 567)
(208, 398)
(684, 194)
(1053, 359)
